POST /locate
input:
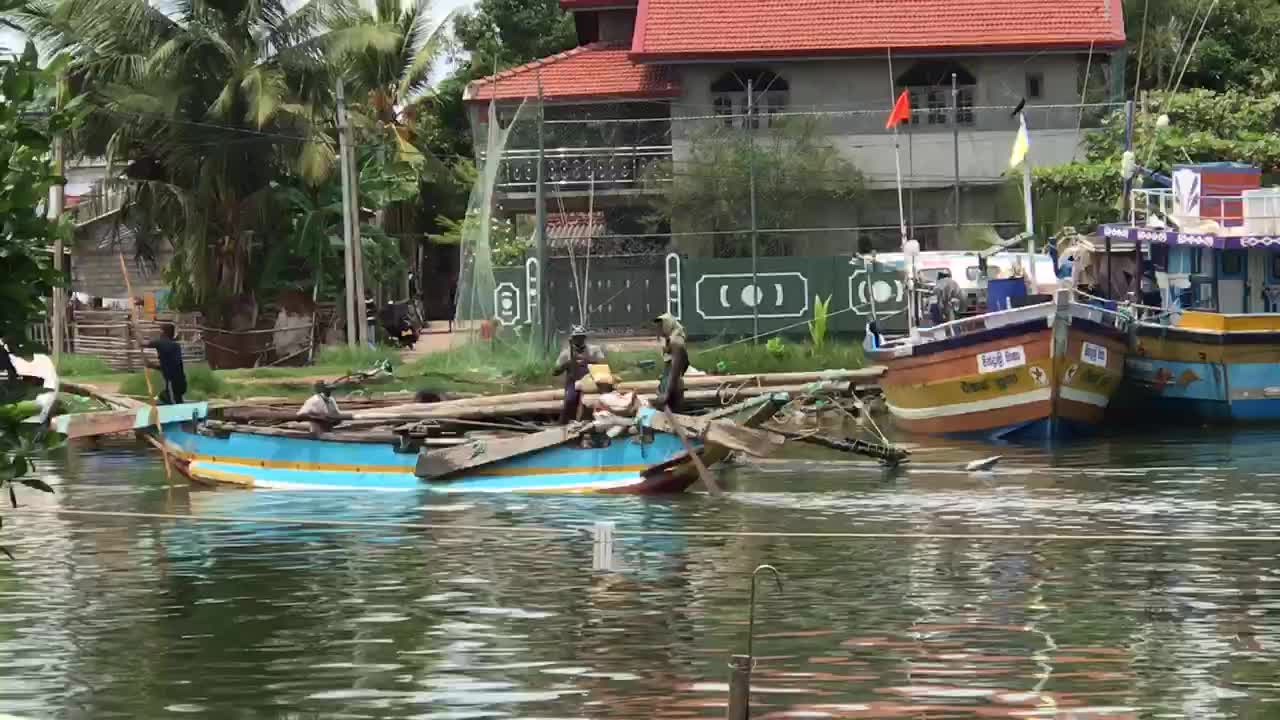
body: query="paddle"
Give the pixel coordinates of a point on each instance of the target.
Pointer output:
(703, 473)
(155, 414)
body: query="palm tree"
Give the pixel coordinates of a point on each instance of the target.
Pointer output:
(208, 103)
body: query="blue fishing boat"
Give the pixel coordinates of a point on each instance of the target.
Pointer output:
(649, 459)
(1210, 351)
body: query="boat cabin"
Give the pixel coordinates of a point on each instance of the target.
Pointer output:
(1213, 238)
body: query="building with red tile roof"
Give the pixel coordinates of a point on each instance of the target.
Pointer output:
(650, 75)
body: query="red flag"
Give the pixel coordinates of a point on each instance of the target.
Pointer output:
(901, 111)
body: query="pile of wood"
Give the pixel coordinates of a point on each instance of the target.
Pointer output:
(701, 391)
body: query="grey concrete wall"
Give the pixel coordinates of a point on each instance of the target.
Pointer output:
(851, 100)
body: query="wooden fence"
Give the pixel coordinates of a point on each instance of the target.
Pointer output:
(112, 336)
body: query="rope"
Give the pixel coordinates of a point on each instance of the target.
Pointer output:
(508, 530)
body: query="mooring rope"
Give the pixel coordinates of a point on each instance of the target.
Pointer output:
(622, 532)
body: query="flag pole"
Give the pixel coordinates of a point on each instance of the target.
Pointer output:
(1026, 199)
(902, 215)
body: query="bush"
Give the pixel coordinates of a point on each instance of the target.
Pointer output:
(73, 365)
(202, 384)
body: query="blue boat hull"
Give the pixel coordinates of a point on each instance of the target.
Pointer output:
(265, 461)
(1202, 376)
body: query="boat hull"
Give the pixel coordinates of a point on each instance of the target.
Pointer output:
(1045, 372)
(1210, 368)
(655, 463)
(252, 460)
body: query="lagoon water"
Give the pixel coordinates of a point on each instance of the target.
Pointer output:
(136, 617)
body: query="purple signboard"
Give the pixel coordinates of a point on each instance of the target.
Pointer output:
(1150, 236)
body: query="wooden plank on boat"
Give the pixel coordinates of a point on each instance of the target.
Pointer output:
(80, 425)
(439, 464)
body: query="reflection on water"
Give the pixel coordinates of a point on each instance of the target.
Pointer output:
(140, 618)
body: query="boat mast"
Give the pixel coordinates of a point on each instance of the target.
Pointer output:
(908, 252)
(1026, 200)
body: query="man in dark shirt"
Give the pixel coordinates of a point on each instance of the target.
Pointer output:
(169, 354)
(574, 363)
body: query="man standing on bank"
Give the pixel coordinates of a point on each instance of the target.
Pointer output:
(169, 355)
(675, 361)
(573, 364)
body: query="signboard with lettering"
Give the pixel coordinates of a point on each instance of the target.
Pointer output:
(1094, 354)
(998, 360)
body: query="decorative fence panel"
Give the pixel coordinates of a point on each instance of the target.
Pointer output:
(717, 296)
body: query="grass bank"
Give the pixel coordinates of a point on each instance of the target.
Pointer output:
(488, 368)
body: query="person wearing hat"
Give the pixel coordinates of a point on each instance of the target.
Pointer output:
(573, 363)
(321, 410)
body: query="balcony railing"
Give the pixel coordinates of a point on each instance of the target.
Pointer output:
(579, 169)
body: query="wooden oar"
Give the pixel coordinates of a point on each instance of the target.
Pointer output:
(688, 447)
(155, 414)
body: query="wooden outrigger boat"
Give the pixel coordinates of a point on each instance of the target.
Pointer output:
(651, 459)
(1045, 371)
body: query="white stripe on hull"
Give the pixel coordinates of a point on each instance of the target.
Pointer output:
(998, 403)
(1083, 396)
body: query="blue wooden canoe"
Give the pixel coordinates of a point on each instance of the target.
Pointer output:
(650, 462)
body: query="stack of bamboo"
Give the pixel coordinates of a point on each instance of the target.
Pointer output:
(701, 391)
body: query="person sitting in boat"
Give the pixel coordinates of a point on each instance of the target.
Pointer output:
(948, 298)
(321, 410)
(675, 362)
(574, 363)
(614, 409)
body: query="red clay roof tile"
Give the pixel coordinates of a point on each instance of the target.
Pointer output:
(691, 29)
(592, 72)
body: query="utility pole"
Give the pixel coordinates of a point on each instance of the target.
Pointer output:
(540, 228)
(357, 246)
(348, 207)
(955, 148)
(57, 199)
(751, 189)
(1125, 199)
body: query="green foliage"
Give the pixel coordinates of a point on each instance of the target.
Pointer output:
(818, 326)
(1239, 47)
(794, 167)
(202, 384)
(215, 108)
(506, 246)
(777, 347)
(76, 365)
(1205, 126)
(26, 267)
(502, 33)
(747, 357)
(20, 442)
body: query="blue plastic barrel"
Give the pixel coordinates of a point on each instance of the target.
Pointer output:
(1000, 292)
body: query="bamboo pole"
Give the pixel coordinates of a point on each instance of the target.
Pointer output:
(155, 413)
(769, 380)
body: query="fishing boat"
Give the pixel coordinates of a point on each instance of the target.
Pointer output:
(1042, 371)
(1210, 351)
(649, 460)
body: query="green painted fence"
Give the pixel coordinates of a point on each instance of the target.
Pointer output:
(721, 297)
